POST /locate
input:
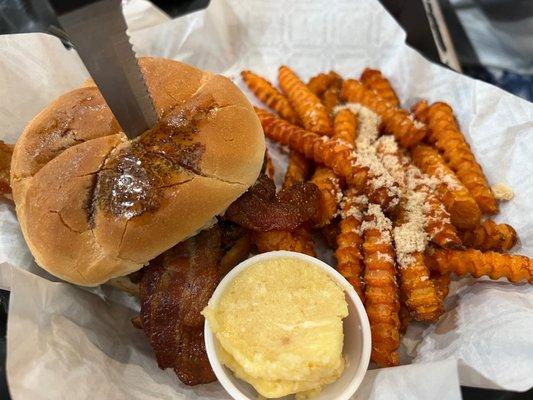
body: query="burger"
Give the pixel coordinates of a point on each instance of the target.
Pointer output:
(163, 216)
(94, 205)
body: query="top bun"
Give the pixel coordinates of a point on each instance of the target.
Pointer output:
(93, 205)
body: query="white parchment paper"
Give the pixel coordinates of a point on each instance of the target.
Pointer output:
(65, 342)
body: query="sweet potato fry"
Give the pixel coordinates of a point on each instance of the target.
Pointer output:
(331, 153)
(331, 98)
(318, 84)
(404, 314)
(308, 106)
(395, 121)
(269, 95)
(463, 209)
(421, 295)
(514, 268)
(441, 283)
(298, 169)
(349, 241)
(490, 236)
(328, 184)
(438, 225)
(439, 228)
(381, 290)
(410, 241)
(299, 241)
(420, 109)
(375, 81)
(345, 126)
(445, 134)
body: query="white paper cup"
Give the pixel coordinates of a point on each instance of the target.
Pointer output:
(357, 340)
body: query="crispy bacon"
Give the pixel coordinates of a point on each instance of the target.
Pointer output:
(174, 289)
(261, 209)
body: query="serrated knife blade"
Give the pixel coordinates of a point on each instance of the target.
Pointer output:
(97, 29)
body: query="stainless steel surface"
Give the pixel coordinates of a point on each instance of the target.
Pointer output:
(98, 32)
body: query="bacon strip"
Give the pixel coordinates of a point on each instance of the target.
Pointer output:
(261, 209)
(174, 289)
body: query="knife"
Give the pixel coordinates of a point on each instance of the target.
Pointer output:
(97, 29)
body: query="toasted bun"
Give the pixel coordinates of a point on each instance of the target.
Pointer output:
(93, 205)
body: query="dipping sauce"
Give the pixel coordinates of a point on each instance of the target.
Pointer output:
(279, 327)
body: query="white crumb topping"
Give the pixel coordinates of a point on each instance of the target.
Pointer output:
(416, 178)
(385, 257)
(387, 151)
(363, 200)
(449, 179)
(353, 211)
(340, 197)
(502, 192)
(418, 124)
(360, 110)
(411, 237)
(366, 149)
(377, 220)
(354, 208)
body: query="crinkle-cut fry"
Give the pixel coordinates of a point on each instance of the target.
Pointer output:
(495, 265)
(490, 236)
(445, 134)
(329, 186)
(404, 314)
(381, 297)
(441, 283)
(394, 120)
(299, 241)
(318, 84)
(419, 109)
(438, 227)
(374, 80)
(349, 241)
(421, 295)
(269, 95)
(331, 98)
(333, 154)
(345, 126)
(307, 105)
(298, 169)
(463, 209)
